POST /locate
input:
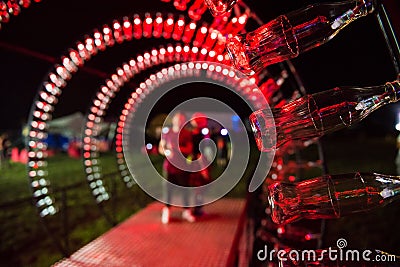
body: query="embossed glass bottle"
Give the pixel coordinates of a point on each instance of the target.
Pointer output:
(315, 115)
(289, 35)
(331, 196)
(220, 7)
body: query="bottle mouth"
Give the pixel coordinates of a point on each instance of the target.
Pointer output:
(237, 54)
(264, 131)
(393, 88)
(290, 36)
(279, 196)
(332, 197)
(370, 5)
(255, 127)
(273, 197)
(217, 8)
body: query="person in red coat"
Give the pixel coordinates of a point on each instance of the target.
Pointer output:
(177, 140)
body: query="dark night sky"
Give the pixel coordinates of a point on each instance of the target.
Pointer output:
(357, 56)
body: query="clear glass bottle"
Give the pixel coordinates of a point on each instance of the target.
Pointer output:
(220, 7)
(315, 115)
(331, 196)
(181, 4)
(197, 10)
(289, 35)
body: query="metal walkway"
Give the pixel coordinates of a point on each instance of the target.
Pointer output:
(142, 240)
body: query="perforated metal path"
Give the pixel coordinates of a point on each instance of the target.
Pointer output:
(143, 240)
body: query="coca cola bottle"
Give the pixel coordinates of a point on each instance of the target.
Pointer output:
(289, 35)
(315, 115)
(331, 196)
(220, 7)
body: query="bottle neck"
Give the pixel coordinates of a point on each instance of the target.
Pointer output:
(362, 8)
(387, 187)
(369, 5)
(319, 23)
(360, 192)
(393, 89)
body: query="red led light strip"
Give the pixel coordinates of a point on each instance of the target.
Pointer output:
(12, 8)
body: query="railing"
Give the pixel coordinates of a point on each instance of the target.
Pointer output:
(107, 210)
(21, 227)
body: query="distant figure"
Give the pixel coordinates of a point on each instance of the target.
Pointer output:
(222, 159)
(172, 173)
(200, 132)
(73, 149)
(5, 146)
(220, 137)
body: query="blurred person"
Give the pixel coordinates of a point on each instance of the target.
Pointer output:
(219, 136)
(222, 157)
(173, 174)
(5, 146)
(200, 132)
(74, 149)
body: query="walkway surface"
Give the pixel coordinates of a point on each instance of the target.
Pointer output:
(142, 240)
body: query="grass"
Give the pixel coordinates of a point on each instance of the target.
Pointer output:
(24, 241)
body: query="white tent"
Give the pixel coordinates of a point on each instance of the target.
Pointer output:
(71, 126)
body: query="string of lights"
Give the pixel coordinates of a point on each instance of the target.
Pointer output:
(13, 8)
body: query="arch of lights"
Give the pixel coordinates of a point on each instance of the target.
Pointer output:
(107, 92)
(208, 43)
(209, 72)
(171, 54)
(247, 89)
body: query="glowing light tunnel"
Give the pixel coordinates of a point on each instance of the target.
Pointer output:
(215, 72)
(52, 86)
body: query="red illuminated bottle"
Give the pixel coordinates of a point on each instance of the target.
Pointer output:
(272, 85)
(315, 115)
(197, 10)
(289, 35)
(331, 196)
(220, 7)
(181, 4)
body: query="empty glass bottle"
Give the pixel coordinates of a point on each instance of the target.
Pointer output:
(331, 196)
(315, 115)
(197, 10)
(220, 7)
(289, 35)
